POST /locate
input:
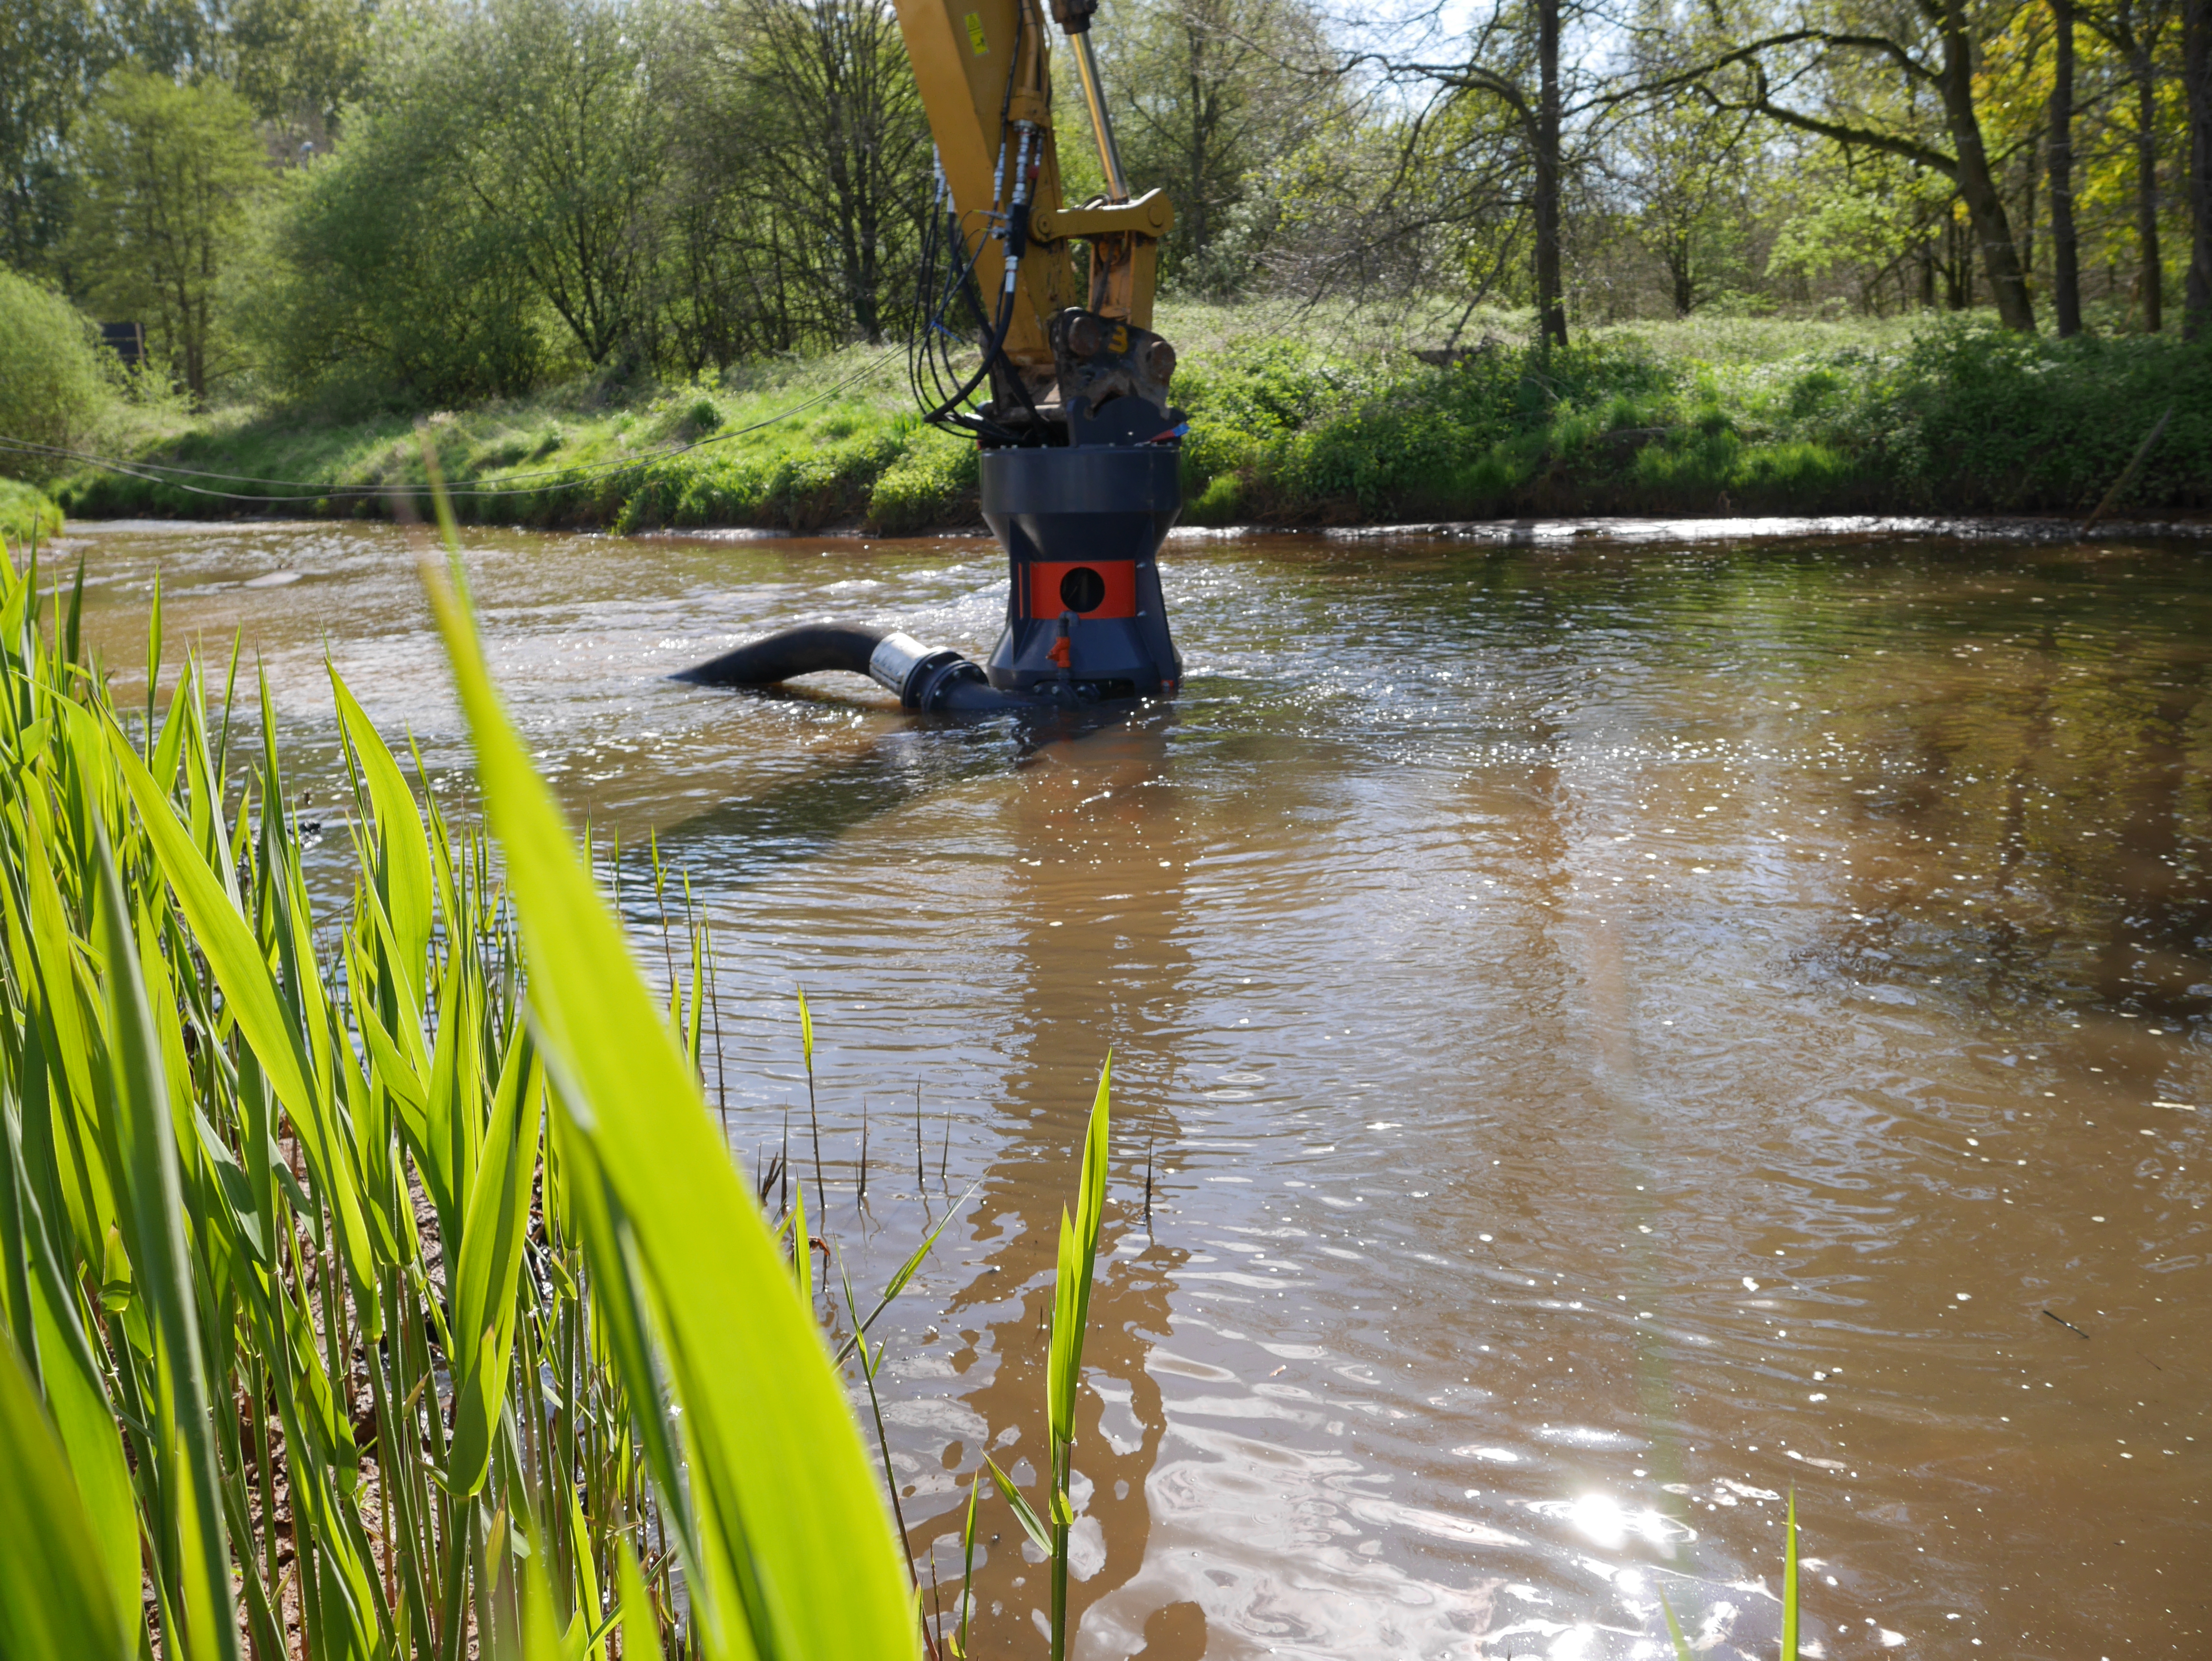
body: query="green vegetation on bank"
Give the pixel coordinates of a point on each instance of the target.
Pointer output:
(27, 513)
(57, 389)
(1298, 416)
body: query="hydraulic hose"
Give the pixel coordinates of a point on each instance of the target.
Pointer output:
(937, 681)
(805, 650)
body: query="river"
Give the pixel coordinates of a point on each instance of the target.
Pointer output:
(1617, 1032)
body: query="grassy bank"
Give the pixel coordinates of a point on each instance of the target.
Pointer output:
(26, 512)
(1297, 417)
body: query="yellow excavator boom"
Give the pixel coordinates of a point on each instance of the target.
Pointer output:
(984, 70)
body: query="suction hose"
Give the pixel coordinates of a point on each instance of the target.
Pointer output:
(939, 682)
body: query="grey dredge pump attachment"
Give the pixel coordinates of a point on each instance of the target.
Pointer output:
(1082, 528)
(1080, 467)
(1082, 523)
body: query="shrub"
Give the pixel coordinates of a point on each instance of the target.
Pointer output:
(2009, 422)
(933, 484)
(166, 175)
(25, 512)
(386, 289)
(56, 385)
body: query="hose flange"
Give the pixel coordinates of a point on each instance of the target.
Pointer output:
(919, 674)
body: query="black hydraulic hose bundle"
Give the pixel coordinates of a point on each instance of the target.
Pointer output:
(944, 410)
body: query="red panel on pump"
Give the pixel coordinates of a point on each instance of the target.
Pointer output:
(1089, 588)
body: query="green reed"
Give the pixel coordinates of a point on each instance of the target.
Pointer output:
(1789, 1648)
(1076, 1269)
(380, 1288)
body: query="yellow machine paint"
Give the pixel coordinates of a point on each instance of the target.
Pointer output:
(972, 60)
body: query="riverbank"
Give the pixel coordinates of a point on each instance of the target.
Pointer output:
(1297, 418)
(27, 513)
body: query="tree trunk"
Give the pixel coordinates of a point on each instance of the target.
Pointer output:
(1196, 231)
(2197, 313)
(1957, 272)
(1551, 311)
(2065, 256)
(2154, 264)
(1985, 204)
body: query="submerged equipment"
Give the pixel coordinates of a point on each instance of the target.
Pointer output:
(1080, 466)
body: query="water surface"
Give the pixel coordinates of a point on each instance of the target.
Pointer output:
(1615, 1033)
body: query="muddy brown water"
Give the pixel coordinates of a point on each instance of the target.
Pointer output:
(1617, 1032)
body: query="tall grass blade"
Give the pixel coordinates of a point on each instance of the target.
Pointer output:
(402, 855)
(484, 1292)
(1078, 1261)
(54, 1597)
(1790, 1581)
(1077, 1266)
(968, 1563)
(1024, 1513)
(797, 1555)
(251, 1000)
(813, 1111)
(905, 1273)
(195, 1550)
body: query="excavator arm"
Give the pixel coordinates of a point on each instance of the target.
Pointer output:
(1058, 352)
(1079, 475)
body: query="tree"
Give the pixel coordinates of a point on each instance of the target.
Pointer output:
(2065, 256)
(1864, 78)
(1684, 164)
(301, 61)
(1210, 98)
(1393, 195)
(53, 53)
(1511, 56)
(1681, 165)
(1495, 68)
(1544, 148)
(168, 171)
(2198, 74)
(554, 117)
(387, 281)
(1874, 215)
(819, 124)
(183, 40)
(2134, 27)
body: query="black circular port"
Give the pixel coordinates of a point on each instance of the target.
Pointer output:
(1082, 590)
